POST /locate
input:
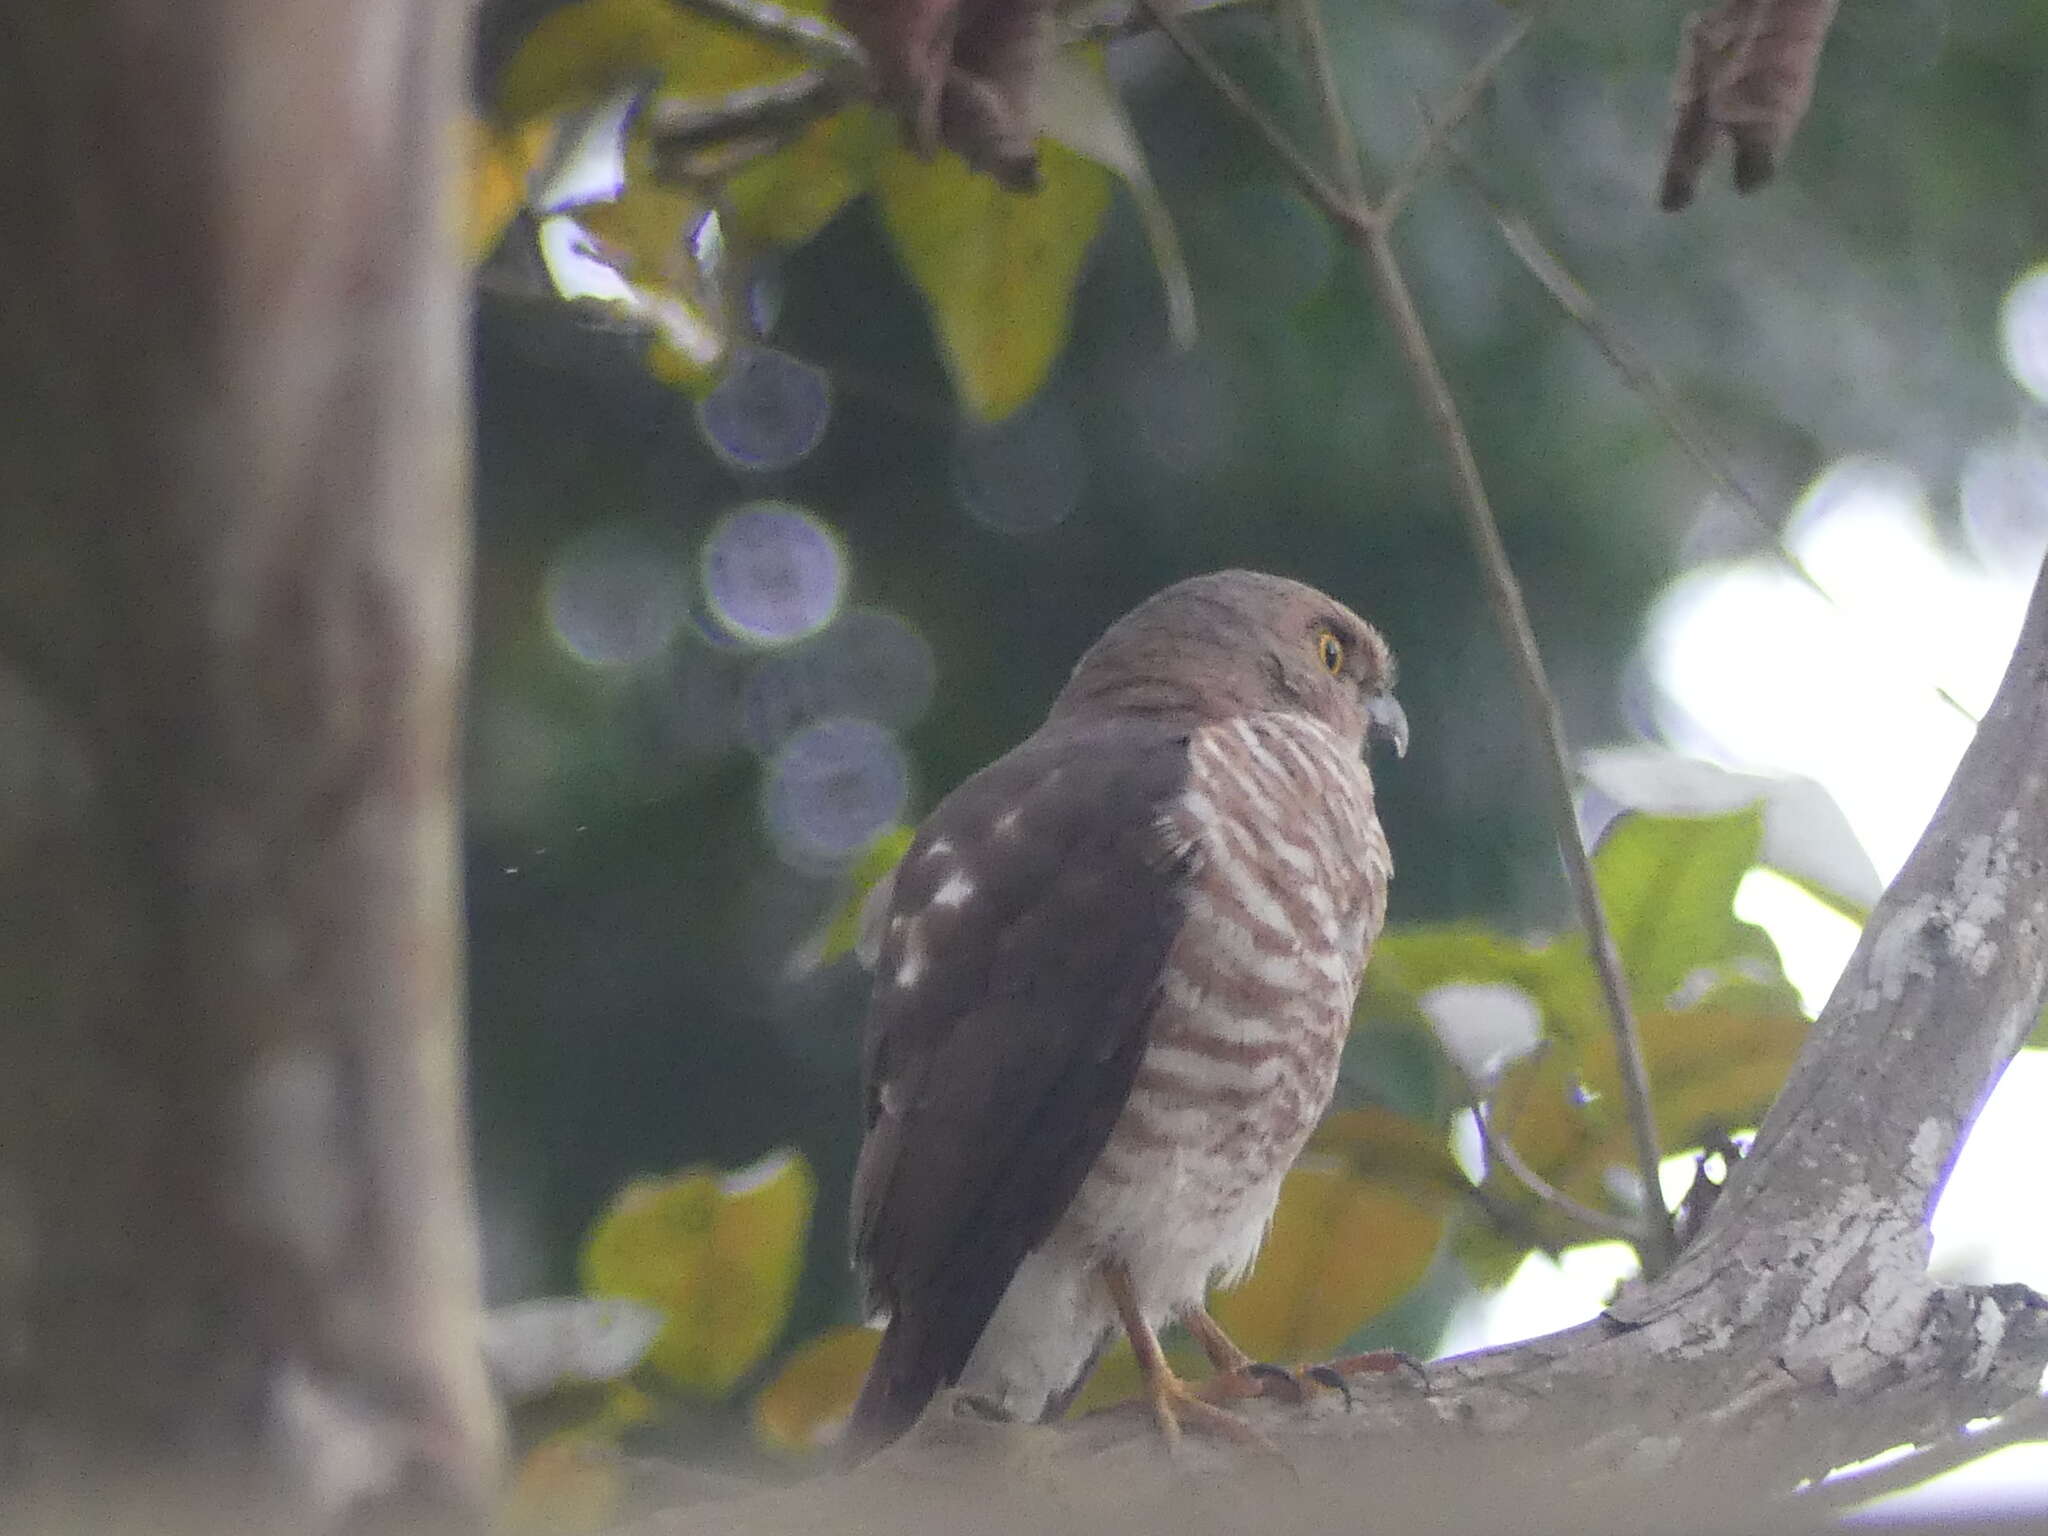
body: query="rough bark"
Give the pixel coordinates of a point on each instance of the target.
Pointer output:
(1800, 1331)
(236, 1245)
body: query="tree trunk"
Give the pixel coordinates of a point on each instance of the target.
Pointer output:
(237, 1252)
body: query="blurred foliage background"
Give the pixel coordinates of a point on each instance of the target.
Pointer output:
(724, 640)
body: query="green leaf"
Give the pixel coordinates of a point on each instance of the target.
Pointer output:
(1407, 963)
(1668, 883)
(997, 270)
(1807, 839)
(718, 1253)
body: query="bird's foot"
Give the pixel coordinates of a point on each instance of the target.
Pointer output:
(1177, 1406)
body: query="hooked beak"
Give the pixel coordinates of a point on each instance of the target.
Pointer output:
(1385, 718)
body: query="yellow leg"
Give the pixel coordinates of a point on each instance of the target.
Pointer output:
(1238, 1375)
(1175, 1405)
(1219, 1346)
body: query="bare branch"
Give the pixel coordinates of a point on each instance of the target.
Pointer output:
(1504, 594)
(1102, 21)
(1437, 127)
(1347, 213)
(1338, 132)
(1500, 1148)
(1642, 377)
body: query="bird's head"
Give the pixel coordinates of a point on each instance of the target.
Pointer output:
(1236, 643)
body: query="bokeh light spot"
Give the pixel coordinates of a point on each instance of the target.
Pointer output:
(615, 598)
(2023, 332)
(1023, 475)
(832, 788)
(767, 411)
(868, 664)
(773, 572)
(2004, 496)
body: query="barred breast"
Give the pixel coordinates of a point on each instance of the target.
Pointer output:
(1289, 887)
(1291, 878)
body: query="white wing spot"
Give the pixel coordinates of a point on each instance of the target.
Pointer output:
(911, 971)
(911, 959)
(938, 848)
(954, 892)
(1006, 824)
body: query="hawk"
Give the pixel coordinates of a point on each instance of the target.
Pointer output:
(1113, 976)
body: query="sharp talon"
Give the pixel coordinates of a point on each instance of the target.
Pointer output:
(1331, 1377)
(1376, 1361)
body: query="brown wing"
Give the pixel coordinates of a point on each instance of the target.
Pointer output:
(1018, 972)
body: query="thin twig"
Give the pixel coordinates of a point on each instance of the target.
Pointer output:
(1107, 20)
(1437, 127)
(1372, 238)
(1504, 594)
(779, 110)
(1345, 212)
(1338, 131)
(1362, 228)
(1642, 377)
(1501, 1150)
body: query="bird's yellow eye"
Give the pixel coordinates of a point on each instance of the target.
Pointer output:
(1330, 651)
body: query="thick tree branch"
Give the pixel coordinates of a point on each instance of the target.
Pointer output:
(1946, 981)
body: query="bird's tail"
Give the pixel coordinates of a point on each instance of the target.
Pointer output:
(906, 1374)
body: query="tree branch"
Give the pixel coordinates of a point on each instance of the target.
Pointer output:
(1502, 1150)
(1372, 238)
(1946, 981)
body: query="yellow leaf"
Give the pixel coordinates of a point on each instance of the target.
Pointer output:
(644, 234)
(841, 932)
(997, 269)
(579, 53)
(720, 1254)
(804, 1408)
(498, 167)
(1710, 1070)
(570, 1482)
(1341, 1250)
(784, 198)
(648, 223)
(1386, 1148)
